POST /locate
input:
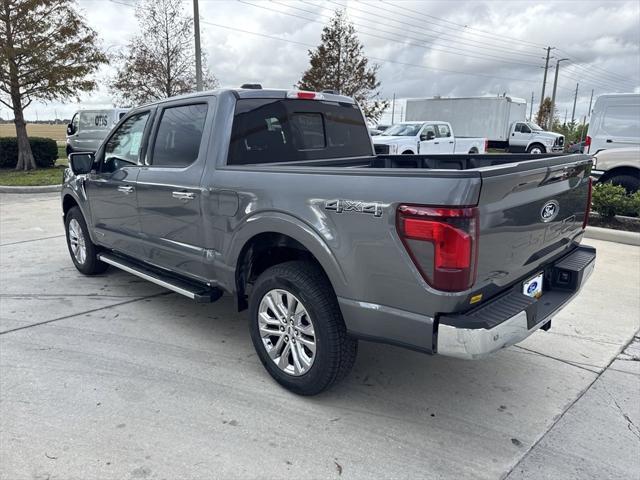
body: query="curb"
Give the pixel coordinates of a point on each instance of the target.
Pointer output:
(34, 189)
(610, 235)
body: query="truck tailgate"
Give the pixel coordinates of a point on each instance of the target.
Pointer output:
(529, 214)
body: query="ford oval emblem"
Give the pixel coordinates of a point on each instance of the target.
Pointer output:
(532, 287)
(550, 211)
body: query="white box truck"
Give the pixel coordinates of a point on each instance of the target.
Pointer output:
(502, 120)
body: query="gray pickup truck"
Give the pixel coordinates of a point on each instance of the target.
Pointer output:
(277, 198)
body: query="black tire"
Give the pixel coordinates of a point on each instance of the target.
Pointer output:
(91, 265)
(473, 151)
(535, 146)
(335, 350)
(630, 182)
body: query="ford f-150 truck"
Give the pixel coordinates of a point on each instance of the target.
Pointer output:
(277, 198)
(425, 138)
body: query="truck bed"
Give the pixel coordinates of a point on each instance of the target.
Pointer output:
(441, 162)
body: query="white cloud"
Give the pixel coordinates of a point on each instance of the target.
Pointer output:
(602, 36)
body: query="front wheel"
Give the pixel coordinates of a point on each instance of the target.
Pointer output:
(83, 252)
(297, 328)
(536, 149)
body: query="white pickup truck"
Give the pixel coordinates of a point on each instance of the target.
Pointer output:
(425, 138)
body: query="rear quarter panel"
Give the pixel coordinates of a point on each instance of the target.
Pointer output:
(356, 243)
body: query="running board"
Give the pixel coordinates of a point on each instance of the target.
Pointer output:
(198, 292)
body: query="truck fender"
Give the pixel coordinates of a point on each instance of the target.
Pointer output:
(76, 194)
(305, 234)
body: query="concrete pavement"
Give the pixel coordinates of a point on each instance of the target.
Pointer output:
(113, 377)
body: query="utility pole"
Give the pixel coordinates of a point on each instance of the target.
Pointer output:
(582, 132)
(575, 98)
(590, 100)
(531, 109)
(544, 79)
(196, 30)
(565, 116)
(393, 108)
(553, 97)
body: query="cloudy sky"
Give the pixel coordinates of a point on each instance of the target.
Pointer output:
(424, 48)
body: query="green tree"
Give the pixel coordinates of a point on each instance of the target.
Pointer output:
(339, 63)
(159, 62)
(47, 53)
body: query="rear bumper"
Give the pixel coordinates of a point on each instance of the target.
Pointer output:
(510, 318)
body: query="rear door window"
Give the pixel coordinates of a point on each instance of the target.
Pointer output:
(177, 142)
(278, 130)
(444, 131)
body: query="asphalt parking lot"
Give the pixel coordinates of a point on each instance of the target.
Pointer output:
(113, 377)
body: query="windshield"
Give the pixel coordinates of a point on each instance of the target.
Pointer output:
(403, 130)
(534, 127)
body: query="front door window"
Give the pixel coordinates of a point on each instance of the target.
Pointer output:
(125, 145)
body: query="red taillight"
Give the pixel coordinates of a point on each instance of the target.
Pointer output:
(587, 144)
(587, 210)
(450, 264)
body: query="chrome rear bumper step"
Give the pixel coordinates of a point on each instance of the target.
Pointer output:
(197, 292)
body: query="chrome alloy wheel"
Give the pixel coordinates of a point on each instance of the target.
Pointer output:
(287, 332)
(77, 242)
(536, 151)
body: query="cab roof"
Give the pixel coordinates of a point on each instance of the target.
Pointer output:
(256, 93)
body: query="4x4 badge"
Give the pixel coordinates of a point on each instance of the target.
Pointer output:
(343, 206)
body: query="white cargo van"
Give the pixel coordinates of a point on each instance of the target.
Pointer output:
(615, 122)
(89, 127)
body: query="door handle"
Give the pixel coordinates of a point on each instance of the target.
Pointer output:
(450, 142)
(436, 143)
(126, 189)
(609, 140)
(186, 196)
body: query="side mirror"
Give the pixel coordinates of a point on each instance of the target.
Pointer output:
(81, 163)
(70, 129)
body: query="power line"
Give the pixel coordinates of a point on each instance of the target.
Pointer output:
(449, 51)
(581, 70)
(595, 82)
(456, 38)
(466, 28)
(377, 59)
(596, 67)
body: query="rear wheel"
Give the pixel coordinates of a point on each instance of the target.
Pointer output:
(84, 253)
(407, 152)
(536, 149)
(631, 183)
(297, 328)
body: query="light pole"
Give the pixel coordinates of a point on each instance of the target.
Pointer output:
(196, 28)
(553, 97)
